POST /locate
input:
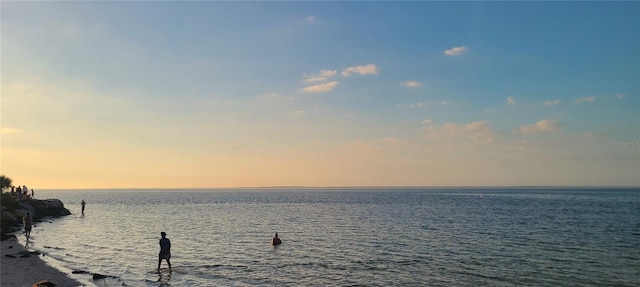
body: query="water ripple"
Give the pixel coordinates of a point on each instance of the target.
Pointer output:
(396, 237)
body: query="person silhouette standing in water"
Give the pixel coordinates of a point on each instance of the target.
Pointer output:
(275, 240)
(83, 204)
(28, 221)
(165, 250)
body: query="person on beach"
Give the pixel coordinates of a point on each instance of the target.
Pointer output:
(83, 204)
(165, 250)
(28, 221)
(275, 240)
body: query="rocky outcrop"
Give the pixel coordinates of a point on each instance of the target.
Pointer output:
(12, 212)
(44, 208)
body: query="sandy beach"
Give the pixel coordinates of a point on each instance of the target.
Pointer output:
(18, 271)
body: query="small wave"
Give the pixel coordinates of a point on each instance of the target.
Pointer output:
(427, 227)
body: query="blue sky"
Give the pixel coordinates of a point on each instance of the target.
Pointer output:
(219, 94)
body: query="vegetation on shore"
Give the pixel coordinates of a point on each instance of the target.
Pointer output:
(5, 182)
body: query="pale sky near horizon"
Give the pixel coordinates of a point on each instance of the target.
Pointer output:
(227, 94)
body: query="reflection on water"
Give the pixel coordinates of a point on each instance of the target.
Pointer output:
(353, 237)
(164, 276)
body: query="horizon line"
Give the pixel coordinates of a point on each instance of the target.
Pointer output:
(348, 186)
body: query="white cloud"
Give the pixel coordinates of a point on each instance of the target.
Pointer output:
(297, 113)
(9, 131)
(511, 101)
(327, 73)
(416, 105)
(619, 96)
(456, 51)
(551, 103)
(541, 126)
(320, 88)
(412, 84)
(309, 78)
(311, 19)
(585, 99)
(369, 69)
(320, 76)
(427, 121)
(476, 125)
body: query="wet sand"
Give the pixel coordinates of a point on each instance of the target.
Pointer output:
(26, 271)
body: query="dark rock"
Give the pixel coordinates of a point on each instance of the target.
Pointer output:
(10, 221)
(10, 247)
(45, 208)
(53, 247)
(39, 209)
(44, 283)
(9, 255)
(97, 276)
(79, 272)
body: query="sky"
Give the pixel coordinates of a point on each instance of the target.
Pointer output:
(247, 94)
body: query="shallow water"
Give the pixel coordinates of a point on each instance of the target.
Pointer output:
(350, 237)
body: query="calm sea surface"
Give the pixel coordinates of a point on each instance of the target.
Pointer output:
(349, 237)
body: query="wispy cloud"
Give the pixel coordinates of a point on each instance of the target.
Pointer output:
(511, 101)
(272, 97)
(8, 131)
(427, 121)
(541, 126)
(453, 134)
(320, 76)
(369, 69)
(412, 84)
(456, 51)
(320, 88)
(310, 19)
(296, 113)
(551, 103)
(584, 100)
(424, 104)
(616, 96)
(588, 135)
(416, 105)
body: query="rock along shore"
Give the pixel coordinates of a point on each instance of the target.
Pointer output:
(12, 212)
(18, 266)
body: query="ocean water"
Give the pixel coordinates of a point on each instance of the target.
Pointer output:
(349, 237)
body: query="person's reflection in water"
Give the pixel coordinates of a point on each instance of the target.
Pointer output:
(164, 278)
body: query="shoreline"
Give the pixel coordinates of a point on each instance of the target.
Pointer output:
(20, 267)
